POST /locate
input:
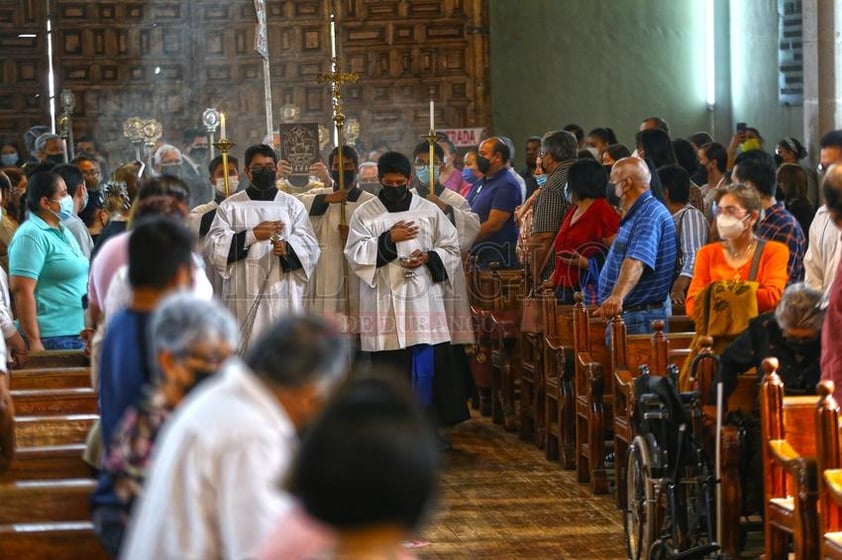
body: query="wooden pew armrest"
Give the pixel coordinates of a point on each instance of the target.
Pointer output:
(782, 453)
(833, 479)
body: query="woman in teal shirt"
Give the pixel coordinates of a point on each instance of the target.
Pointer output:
(47, 271)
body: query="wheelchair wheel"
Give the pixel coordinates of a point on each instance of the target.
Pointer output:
(639, 520)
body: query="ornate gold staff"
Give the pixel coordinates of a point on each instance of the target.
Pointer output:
(431, 138)
(336, 78)
(224, 146)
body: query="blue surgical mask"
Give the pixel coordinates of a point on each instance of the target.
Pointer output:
(540, 179)
(9, 160)
(468, 175)
(567, 195)
(65, 207)
(423, 173)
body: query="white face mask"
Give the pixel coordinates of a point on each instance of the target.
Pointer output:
(729, 227)
(233, 183)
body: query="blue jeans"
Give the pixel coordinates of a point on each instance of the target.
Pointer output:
(63, 343)
(639, 322)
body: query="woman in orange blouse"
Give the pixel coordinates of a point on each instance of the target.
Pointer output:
(730, 259)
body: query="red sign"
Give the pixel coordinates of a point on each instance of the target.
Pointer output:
(464, 137)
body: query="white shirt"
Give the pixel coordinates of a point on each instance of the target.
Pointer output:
(213, 490)
(822, 257)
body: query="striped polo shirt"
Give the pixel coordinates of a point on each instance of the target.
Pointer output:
(647, 234)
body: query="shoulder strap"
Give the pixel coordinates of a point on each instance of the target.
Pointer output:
(755, 262)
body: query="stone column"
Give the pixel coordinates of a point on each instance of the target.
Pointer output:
(822, 60)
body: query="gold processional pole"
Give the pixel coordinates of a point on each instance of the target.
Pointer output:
(224, 146)
(431, 138)
(336, 78)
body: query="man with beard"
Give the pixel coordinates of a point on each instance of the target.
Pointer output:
(262, 245)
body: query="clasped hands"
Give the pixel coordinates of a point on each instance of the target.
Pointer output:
(407, 231)
(269, 230)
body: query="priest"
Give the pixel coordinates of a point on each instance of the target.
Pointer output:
(325, 293)
(405, 250)
(262, 245)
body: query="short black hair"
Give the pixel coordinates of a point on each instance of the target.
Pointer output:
(217, 161)
(191, 133)
(348, 153)
(532, 139)
(660, 124)
(297, 351)
(675, 179)
(605, 134)
(370, 460)
(166, 186)
(450, 145)
(832, 139)
(394, 162)
(158, 248)
(618, 151)
(586, 178)
(424, 148)
(575, 130)
(715, 151)
(41, 184)
(656, 145)
(685, 155)
(758, 168)
(560, 144)
(833, 193)
(72, 176)
(262, 150)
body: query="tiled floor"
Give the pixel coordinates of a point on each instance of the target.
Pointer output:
(502, 499)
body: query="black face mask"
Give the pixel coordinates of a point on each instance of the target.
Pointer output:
(612, 197)
(394, 194)
(56, 158)
(199, 375)
(263, 180)
(778, 160)
(171, 171)
(483, 164)
(199, 153)
(349, 176)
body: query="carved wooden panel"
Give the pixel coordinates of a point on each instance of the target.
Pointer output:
(23, 60)
(170, 59)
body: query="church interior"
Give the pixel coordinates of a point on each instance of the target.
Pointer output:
(566, 453)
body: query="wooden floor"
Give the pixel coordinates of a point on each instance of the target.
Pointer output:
(502, 499)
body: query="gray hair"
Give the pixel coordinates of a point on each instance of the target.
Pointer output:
(560, 144)
(41, 141)
(166, 148)
(368, 164)
(184, 319)
(800, 308)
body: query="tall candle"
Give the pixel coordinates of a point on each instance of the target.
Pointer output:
(432, 119)
(332, 37)
(222, 134)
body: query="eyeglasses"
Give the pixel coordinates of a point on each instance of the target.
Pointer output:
(261, 168)
(734, 211)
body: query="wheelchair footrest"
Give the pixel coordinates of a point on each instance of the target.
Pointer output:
(696, 552)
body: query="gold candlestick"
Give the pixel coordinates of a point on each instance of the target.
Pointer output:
(224, 146)
(431, 138)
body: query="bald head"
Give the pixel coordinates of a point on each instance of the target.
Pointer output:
(631, 168)
(832, 191)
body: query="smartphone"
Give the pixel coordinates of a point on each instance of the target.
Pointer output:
(741, 127)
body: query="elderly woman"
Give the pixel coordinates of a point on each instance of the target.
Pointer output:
(189, 340)
(790, 333)
(48, 272)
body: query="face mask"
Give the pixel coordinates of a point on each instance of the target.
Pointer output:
(778, 160)
(803, 347)
(568, 196)
(85, 201)
(233, 183)
(56, 158)
(468, 175)
(611, 195)
(199, 375)
(423, 174)
(729, 227)
(263, 179)
(171, 171)
(9, 160)
(372, 187)
(540, 179)
(199, 153)
(594, 152)
(349, 177)
(65, 207)
(483, 164)
(394, 194)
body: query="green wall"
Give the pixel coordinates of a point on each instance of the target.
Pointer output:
(614, 62)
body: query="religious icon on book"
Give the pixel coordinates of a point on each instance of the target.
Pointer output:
(300, 147)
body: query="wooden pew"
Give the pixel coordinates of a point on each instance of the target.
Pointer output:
(44, 501)
(38, 431)
(628, 353)
(47, 463)
(509, 289)
(70, 540)
(57, 359)
(559, 414)
(50, 378)
(594, 397)
(829, 465)
(55, 401)
(789, 469)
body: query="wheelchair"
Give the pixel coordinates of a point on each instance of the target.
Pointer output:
(671, 482)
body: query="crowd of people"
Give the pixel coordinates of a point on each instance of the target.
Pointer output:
(223, 307)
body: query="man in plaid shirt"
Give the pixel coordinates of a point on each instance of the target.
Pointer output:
(756, 168)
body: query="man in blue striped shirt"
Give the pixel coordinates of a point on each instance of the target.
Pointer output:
(638, 271)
